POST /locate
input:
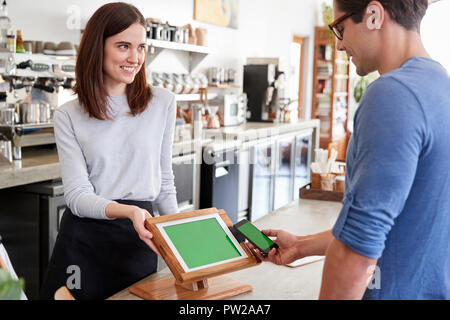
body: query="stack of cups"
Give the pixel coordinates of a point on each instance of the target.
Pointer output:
(325, 174)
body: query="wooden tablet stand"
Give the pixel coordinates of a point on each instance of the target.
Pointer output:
(204, 284)
(217, 288)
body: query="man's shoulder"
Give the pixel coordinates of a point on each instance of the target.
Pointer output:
(388, 93)
(407, 89)
(416, 76)
(386, 105)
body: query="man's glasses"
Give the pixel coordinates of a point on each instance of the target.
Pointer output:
(333, 26)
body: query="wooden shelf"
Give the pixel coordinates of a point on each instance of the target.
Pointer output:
(224, 86)
(337, 81)
(36, 57)
(324, 77)
(193, 97)
(341, 61)
(177, 46)
(196, 53)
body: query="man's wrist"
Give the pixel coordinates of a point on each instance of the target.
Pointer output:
(305, 246)
(314, 245)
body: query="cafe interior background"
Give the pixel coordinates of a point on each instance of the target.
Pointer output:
(206, 53)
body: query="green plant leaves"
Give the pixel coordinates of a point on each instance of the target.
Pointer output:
(10, 289)
(327, 12)
(360, 87)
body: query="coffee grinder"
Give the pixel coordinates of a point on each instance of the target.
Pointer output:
(259, 85)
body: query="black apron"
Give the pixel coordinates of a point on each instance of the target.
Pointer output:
(107, 255)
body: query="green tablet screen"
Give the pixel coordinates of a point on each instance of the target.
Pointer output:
(201, 242)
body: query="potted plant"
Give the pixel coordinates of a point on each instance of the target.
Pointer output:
(10, 289)
(361, 84)
(327, 13)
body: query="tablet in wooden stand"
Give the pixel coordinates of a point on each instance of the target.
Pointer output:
(198, 247)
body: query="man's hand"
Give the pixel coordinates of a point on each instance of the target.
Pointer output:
(293, 247)
(287, 251)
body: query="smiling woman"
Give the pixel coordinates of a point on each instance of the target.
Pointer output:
(115, 151)
(123, 59)
(106, 59)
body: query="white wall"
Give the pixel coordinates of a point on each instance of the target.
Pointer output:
(266, 28)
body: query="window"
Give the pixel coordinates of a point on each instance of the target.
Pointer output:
(434, 32)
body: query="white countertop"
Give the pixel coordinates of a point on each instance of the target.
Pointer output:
(259, 130)
(41, 165)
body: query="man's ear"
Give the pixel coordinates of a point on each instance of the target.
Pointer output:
(374, 20)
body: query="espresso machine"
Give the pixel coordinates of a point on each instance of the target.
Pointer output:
(29, 94)
(259, 85)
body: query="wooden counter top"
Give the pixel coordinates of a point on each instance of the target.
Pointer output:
(269, 281)
(41, 164)
(36, 165)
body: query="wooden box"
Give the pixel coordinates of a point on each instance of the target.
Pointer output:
(317, 194)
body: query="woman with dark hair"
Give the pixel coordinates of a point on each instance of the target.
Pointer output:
(115, 149)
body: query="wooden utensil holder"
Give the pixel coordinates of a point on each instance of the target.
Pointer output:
(317, 194)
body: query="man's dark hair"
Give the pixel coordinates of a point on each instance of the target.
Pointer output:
(407, 13)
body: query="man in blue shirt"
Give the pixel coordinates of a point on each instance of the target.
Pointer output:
(392, 237)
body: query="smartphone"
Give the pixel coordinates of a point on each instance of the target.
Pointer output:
(256, 237)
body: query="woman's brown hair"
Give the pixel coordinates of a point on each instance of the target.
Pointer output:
(107, 21)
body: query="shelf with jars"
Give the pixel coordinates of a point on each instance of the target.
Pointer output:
(187, 87)
(164, 36)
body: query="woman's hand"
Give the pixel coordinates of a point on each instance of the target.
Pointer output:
(138, 217)
(287, 251)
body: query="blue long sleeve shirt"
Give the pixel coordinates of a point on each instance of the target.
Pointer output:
(397, 198)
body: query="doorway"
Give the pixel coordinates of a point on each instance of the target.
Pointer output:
(296, 72)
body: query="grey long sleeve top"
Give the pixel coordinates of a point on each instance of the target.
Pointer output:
(128, 158)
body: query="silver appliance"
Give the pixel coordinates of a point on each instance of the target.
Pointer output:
(233, 108)
(219, 180)
(259, 84)
(27, 135)
(30, 124)
(184, 175)
(244, 183)
(279, 168)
